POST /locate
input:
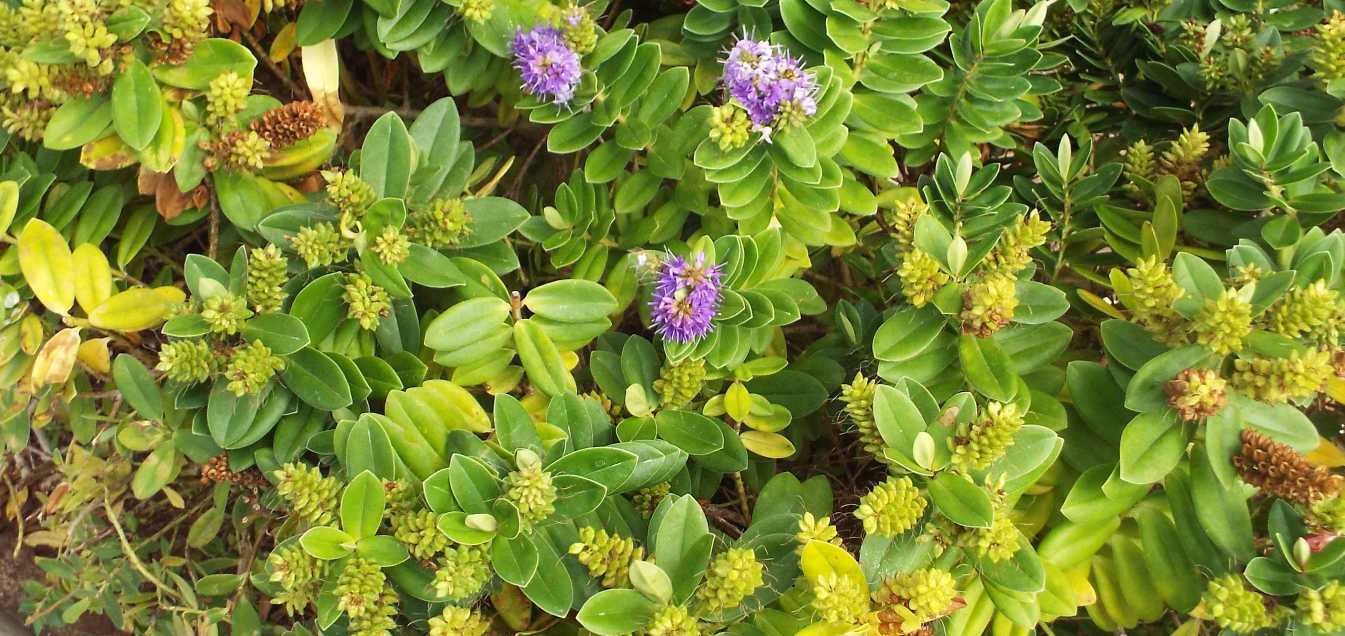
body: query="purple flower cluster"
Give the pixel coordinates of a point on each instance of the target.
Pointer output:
(769, 84)
(550, 68)
(686, 298)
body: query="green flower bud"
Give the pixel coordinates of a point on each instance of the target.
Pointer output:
(928, 593)
(1013, 251)
(30, 79)
(1139, 170)
(672, 620)
(1152, 294)
(839, 599)
(391, 247)
(308, 495)
(999, 541)
(858, 399)
(359, 586)
(463, 572)
(476, 11)
(902, 222)
(366, 302)
(443, 224)
(299, 575)
(1278, 380)
(1327, 57)
(988, 305)
(920, 277)
(790, 115)
(226, 96)
(1223, 322)
(225, 314)
(1323, 609)
(26, 119)
(250, 367)
(648, 498)
(267, 275)
(1329, 513)
(379, 616)
(243, 150)
(1184, 159)
(419, 531)
(87, 41)
(1229, 604)
(459, 621)
(579, 28)
(348, 192)
(729, 127)
(607, 556)
(730, 578)
(814, 529)
(1313, 310)
(187, 361)
(187, 19)
(1197, 394)
(892, 507)
(530, 489)
(978, 444)
(319, 245)
(680, 382)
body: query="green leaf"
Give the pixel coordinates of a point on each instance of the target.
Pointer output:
(78, 121)
(384, 550)
(514, 428)
(362, 505)
(155, 471)
(137, 386)
(1222, 512)
(692, 432)
(608, 466)
(368, 448)
(317, 380)
(616, 612)
(492, 219)
(987, 369)
(551, 588)
(283, 334)
(681, 543)
(907, 333)
(1147, 390)
(387, 158)
(474, 485)
(514, 560)
(571, 300)
(459, 527)
(961, 501)
(137, 105)
(326, 543)
(209, 59)
(1151, 446)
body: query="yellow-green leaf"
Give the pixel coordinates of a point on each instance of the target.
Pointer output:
(9, 203)
(95, 355)
(737, 401)
(47, 266)
(57, 358)
(132, 310)
(93, 277)
(820, 559)
(769, 445)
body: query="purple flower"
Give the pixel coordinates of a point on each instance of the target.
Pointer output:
(769, 84)
(550, 68)
(686, 298)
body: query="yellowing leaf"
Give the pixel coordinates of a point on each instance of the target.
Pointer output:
(769, 445)
(820, 559)
(322, 73)
(9, 203)
(94, 354)
(30, 334)
(171, 294)
(47, 265)
(284, 42)
(737, 401)
(132, 310)
(1100, 304)
(108, 153)
(1327, 455)
(57, 358)
(93, 277)
(1335, 388)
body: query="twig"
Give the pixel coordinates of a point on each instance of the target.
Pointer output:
(265, 57)
(212, 249)
(130, 552)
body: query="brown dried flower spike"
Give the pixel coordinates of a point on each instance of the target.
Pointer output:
(1277, 469)
(1197, 394)
(290, 123)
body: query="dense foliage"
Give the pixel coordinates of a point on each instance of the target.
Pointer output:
(754, 317)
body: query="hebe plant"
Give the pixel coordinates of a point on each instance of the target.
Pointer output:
(735, 316)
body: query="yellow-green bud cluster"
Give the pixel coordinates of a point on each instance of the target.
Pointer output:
(444, 223)
(378, 617)
(892, 507)
(1327, 58)
(1296, 377)
(979, 443)
(225, 97)
(1314, 311)
(729, 127)
(814, 529)
(1184, 159)
(530, 489)
(266, 279)
(996, 543)
(1197, 394)
(225, 314)
(187, 361)
(27, 119)
(680, 382)
(308, 495)
(790, 115)
(246, 150)
(418, 531)
(390, 246)
(1329, 513)
(647, 499)
(858, 399)
(839, 599)
(1139, 169)
(250, 367)
(366, 302)
(1152, 294)
(359, 586)
(988, 305)
(459, 621)
(921, 277)
(463, 572)
(1232, 606)
(579, 29)
(1013, 252)
(476, 11)
(1246, 274)
(607, 556)
(319, 245)
(187, 20)
(902, 222)
(1223, 322)
(87, 41)
(672, 620)
(299, 576)
(348, 192)
(927, 593)
(1323, 609)
(731, 577)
